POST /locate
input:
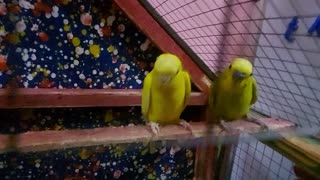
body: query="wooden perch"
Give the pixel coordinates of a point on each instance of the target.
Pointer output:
(50, 140)
(49, 98)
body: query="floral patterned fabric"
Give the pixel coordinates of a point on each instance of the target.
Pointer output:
(80, 44)
(72, 44)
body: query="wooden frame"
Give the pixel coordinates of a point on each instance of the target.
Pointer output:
(50, 140)
(48, 98)
(139, 15)
(177, 39)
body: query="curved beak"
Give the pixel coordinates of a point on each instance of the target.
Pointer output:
(164, 79)
(238, 75)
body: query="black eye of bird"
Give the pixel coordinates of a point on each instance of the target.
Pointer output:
(230, 67)
(251, 74)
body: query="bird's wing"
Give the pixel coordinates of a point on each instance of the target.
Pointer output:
(146, 95)
(187, 84)
(254, 91)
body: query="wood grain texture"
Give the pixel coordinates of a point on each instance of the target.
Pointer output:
(50, 140)
(49, 98)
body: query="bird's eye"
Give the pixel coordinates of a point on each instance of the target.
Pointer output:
(230, 67)
(251, 74)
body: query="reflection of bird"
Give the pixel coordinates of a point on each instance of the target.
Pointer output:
(165, 93)
(231, 95)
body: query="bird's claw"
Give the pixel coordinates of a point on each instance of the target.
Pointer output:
(259, 122)
(225, 126)
(228, 129)
(185, 124)
(154, 127)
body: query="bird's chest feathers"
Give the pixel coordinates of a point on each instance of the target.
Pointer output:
(175, 85)
(173, 91)
(230, 86)
(233, 99)
(235, 92)
(169, 92)
(168, 98)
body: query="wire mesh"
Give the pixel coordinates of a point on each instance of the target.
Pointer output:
(288, 73)
(255, 160)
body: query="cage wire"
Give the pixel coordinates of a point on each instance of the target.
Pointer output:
(288, 73)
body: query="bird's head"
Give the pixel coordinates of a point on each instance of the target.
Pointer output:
(166, 67)
(240, 69)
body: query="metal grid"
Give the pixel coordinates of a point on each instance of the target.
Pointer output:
(288, 74)
(255, 160)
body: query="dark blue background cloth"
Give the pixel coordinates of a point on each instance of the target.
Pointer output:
(58, 54)
(123, 63)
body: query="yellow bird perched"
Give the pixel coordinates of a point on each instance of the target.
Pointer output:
(233, 92)
(165, 94)
(231, 96)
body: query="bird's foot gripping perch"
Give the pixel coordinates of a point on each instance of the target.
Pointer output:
(225, 126)
(185, 124)
(259, 122)
(154, 127)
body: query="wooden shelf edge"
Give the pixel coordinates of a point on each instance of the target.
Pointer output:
(51, 140)
(49, 98)
(151, 28)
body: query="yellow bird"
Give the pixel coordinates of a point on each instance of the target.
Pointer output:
(230, 98)
(165, 93)
(233, 92)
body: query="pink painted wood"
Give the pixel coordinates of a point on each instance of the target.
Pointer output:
(49, 140)
(48, 98)
(140, 16)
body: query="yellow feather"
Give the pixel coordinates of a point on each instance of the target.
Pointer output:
(231, 96)
(230, 99)
(146, 93)
(164, 103)
(187, 87)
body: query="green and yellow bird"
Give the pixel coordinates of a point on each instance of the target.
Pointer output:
(233, 92)
(230, 98)
(165, 93)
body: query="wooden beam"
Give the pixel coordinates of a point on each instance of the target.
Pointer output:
(49, 98)
(151, 28)
(50, 140)
(303, 151)
(204, 154)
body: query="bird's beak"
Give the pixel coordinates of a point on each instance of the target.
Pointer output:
(238, 75)
(164, 79)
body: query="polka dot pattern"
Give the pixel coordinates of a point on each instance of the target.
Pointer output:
(68, 118)
(71, 44)
(134, 161)
(79, 44)
(137, 160)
